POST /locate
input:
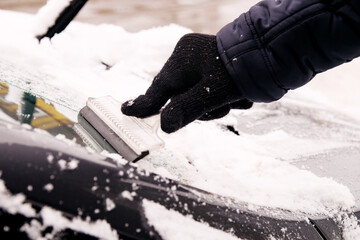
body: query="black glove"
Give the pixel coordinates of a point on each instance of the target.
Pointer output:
(196, 81)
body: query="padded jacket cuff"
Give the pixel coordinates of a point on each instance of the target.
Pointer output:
(281, 45)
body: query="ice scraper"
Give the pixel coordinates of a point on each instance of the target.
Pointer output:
(70, 9)
(103, 126)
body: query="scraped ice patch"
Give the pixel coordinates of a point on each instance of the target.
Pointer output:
(172, 225)
(14, 204)
(47, 15)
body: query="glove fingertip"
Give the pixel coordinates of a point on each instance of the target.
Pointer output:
(137, 108)
(142, 107)
(127, 108)
(168, 129)
(171, 119)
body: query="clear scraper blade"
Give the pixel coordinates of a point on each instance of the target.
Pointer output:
(140, 135)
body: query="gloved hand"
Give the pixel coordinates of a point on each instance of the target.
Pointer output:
(195, 80)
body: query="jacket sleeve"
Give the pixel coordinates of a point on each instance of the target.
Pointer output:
(280, 45)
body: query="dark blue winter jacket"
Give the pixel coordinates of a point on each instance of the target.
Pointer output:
(280, 45)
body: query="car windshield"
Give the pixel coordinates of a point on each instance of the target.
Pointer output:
(17, 106)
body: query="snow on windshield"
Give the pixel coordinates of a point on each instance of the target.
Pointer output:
(239, 156)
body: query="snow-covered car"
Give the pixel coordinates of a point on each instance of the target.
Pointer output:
(55, 188)
(285, 170)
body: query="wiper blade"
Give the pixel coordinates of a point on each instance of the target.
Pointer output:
(63, 20)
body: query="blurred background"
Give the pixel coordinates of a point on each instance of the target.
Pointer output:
(206, 16)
